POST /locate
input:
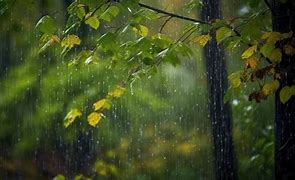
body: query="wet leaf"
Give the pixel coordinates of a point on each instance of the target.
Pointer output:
(102, 104)
(235, 79)
(276, 55)
(203, 40)
(286, 93)
(110, 13)
(46, 25)
(223, 33)
(289, 50)
(52, 39)
(227, 95)
(71, 116)
(251, 63)
(93, 22)
(266, 35)
(141, 30)
(271, 87)
(287, 35)
(267, 49)
(94, 118)
(49, 43)
(59, 177)
(249, 52)
(274, 37)
(118, 92)
(70, 41)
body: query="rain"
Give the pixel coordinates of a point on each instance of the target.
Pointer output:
(100, 98)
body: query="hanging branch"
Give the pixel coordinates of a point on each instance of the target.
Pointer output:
(172, 14)
(164, 24)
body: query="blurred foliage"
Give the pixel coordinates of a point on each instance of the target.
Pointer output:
(159, 129)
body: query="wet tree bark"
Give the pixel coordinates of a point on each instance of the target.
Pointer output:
(220, 113)
(283, 17)
(4, 53)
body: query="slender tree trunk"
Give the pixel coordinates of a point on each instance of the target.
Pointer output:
(284, 21)
(220, 113)
(4, 53)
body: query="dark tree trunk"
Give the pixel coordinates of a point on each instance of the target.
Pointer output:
(284, 21)
(220, 113)
(4, 53)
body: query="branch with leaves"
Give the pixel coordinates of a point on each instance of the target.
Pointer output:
(142, 52)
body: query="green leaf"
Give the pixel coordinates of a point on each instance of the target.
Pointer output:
(46, 25)
(141, 30)
(71, 116)
(223, 33)
(235, 79)
(108, 41)
(81, 57)
(93, 22)
(77, 9)
(276, 55)
(110, 13)
(267, 49)
(232, 42)
(227, 95)
(286, 93)
(59, 177)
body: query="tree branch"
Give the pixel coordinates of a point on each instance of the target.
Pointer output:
(167, 20)
(171, 14)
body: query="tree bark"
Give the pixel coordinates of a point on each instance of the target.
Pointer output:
(283, 19)
(220, 113)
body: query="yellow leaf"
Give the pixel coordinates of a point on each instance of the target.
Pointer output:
(289, 50)
(71, 116)
(287, 35)
(141, 30)
(249, 52)
(101, 104)
(94, 118)
(203, 40)
(70, 41)
(276, 55)
(252, 63)
(270, 87)
(55, 38)
(118, 92)
(274, 37)
(266, 35)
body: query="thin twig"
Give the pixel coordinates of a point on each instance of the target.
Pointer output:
(184, 34)
(166, 21)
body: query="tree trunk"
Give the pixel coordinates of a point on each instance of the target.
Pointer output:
(220, 113)
(284, 21)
